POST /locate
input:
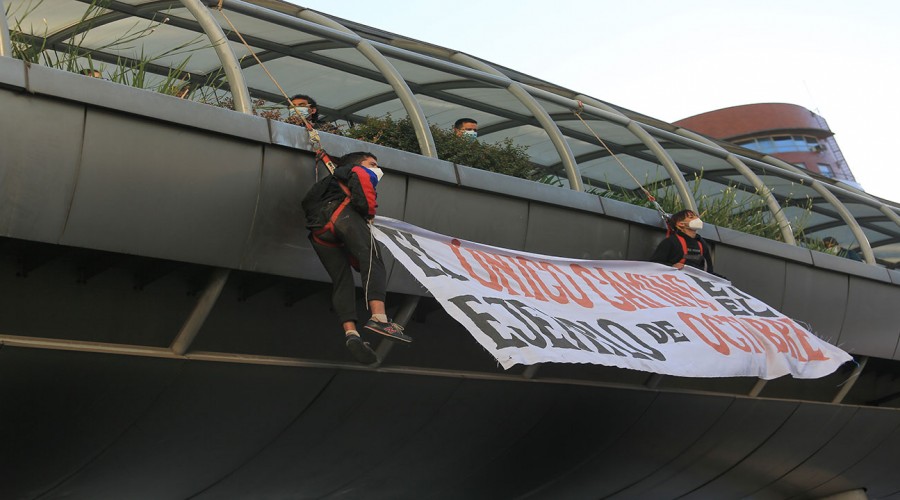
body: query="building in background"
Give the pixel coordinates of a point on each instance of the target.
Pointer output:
(786, 131)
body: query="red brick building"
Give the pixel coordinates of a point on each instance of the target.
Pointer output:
(786, 131)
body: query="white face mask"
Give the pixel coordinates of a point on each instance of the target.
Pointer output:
(470, 134)
(304, 111)
(378, 172)
(695, 224)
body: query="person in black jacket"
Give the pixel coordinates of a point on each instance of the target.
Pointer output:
(339, 209)
(684, 246)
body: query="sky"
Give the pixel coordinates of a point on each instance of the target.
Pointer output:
(670, 59)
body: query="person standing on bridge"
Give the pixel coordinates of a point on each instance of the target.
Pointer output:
(684, 246)
(339, 210)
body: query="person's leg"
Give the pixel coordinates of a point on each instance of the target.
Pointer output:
(355, 233)
(343, 299)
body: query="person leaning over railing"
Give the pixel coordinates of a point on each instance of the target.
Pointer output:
(307, 107)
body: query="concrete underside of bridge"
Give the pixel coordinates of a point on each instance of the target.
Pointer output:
(120, 210)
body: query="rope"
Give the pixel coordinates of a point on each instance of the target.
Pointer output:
(650, 197)
(314, 138)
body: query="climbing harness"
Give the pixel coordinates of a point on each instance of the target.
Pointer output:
(652, 199)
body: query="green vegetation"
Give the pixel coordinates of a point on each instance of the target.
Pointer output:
(503, 157)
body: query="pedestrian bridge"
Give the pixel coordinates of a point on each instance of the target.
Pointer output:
(165, 328)
(166, 334)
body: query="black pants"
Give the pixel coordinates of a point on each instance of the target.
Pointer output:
(353, 232)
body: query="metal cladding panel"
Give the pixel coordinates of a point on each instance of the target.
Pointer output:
(867, 428)
(816, 297)
(762, 276)
(642, 241)
(787, 448)
(192, 200)
(579, 426)
(177, 439)
(849, 266)
(12, 72)
(447, 456)
(153, 105)
(38, 164)
(872, 324)
(750, 242)
(357, 424)
(876, 470)
(465, 214)
(62, 410)
(730, 439)
(566, 233)
(671, 424)
(279, 242)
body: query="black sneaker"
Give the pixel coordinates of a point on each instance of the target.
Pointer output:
(392, 331)
(361, 350)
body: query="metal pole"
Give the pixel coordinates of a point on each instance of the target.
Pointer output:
(661, 154)
(783, 223)
(230, 64)
(403, 316)
(394, 79)
(5, 43)
(201, 311)
(845, 389)
(556, 137)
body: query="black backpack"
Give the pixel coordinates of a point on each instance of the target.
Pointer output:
(315, 200)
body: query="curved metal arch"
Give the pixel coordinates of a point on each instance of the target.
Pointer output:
(784, 225)
(394, 79)
(5, 43)
(655, 147)
(230, 64)
(842, 210)
(543, 118)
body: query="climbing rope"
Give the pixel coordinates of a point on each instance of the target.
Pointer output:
(652, 199)
(314, 138)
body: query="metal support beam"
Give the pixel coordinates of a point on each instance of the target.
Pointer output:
(842, 210)
(239, 92)
(556, 136)
(787, 233)
(201, 311)
(336, 31)
(531, 371)
(848, 385)
(687, 198)
(5, 43)
(757, 388)
(404, 314)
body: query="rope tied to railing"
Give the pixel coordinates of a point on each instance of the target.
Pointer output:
(652, 199)
(314, 139)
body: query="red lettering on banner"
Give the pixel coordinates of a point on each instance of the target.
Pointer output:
(687, 291)
(813, 354)
(695, 324)
(589, 278)
(518, 261)
(626, 293)
(582, 300)
(501, 269)
(491, 282)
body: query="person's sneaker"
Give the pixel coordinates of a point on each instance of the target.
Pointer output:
(361, 350)
(392, 331)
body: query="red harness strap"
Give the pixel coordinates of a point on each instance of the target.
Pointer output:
(684, 248)
(329, 227)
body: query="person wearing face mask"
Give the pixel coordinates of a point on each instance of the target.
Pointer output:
(684, 247)
(306, 106)
(466, 127)
(338, 210)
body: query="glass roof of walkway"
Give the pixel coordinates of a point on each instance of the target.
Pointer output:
(355, 71)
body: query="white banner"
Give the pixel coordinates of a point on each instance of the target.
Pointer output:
(528, 308)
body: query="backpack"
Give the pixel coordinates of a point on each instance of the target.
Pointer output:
(314, 203)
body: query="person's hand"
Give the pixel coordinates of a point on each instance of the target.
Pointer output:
(678, 265)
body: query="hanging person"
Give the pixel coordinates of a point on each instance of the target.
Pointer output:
(684, 246)
(339, 210)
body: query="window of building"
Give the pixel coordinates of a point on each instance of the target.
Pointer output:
(781, 144)
(825, 169)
